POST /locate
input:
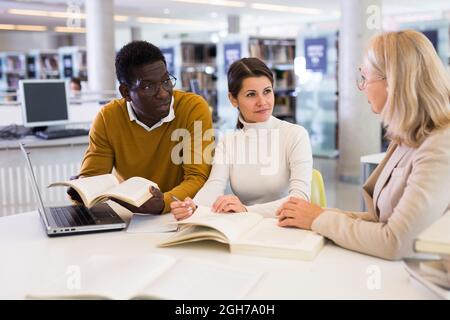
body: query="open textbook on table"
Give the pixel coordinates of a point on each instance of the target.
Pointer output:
(247, 233)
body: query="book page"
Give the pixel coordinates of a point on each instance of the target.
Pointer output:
(135, 191)
(105, 277)
(191, 233)
(438, 233)
(269, 238)
(90, 188)
(192, 278)
(232, 225)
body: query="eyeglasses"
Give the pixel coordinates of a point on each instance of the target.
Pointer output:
(362, 82)
(151, 88)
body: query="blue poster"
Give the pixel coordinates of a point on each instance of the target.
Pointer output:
(231, 53)
(169, 55)
(432, 35)
(316, 54)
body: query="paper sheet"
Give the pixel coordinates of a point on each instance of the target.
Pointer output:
(149, 223)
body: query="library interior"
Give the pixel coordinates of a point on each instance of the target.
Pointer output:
(100, 98)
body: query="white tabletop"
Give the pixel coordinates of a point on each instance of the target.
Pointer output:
(26, 253)
(35, 142)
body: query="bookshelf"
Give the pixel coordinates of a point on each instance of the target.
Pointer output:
(42, 64)
(198, 72)
(73, 63)
(279, 55)
(12, 69)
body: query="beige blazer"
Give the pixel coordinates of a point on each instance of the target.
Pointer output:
(407, 192)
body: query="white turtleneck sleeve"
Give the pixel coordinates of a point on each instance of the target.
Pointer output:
(265, 163)
(218, 178)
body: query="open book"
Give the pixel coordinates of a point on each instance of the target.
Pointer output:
(150, 276)
(92, 190)
(436, 238)
(248, 233)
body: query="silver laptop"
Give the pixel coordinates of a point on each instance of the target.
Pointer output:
(76, 219)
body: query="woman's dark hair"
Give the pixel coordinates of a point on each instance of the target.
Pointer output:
(242, 69)
(135, 54)
(77, 81)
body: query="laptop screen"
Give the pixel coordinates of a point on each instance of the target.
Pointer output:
(34, 185)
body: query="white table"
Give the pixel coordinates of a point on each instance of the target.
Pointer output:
(26, 252)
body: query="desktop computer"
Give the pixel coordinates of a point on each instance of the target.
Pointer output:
(45, 106)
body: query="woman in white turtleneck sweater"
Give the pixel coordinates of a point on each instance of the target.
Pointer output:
(265, 161)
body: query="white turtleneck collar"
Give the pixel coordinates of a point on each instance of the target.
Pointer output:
(271, 123)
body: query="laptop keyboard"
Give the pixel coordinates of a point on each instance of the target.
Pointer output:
(72, 216)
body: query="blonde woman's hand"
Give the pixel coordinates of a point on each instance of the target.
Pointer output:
(298, 213)
(182, 209)
(229, 203)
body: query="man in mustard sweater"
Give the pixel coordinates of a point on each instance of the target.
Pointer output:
(133, 135)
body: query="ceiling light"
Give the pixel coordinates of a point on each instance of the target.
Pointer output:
(223, 3)
(49, 14)
(22, 27)
(70, 29)
(58, 14)
(275, 7)
(7, 27)
(169, 21)
(121, 18)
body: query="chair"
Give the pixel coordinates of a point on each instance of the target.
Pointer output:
(318, 196)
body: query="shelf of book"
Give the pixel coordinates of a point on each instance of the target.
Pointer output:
(73, 63)
(12, 69)
(194, 64)
(43, 64)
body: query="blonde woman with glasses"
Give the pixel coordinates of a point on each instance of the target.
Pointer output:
(407, 84)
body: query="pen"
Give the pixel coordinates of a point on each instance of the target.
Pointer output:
(176, 199)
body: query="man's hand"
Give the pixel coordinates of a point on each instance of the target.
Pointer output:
(154, 205)
(73, 194)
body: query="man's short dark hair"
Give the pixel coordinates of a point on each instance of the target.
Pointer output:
(135, 54)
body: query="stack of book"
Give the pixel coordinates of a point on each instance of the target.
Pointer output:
(433, 273)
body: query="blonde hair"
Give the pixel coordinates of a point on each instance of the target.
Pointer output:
(418, 85)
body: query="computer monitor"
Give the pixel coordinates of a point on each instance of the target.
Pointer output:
(44, 102)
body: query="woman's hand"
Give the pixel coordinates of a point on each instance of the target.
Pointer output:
(298, 213)
(182, 209)
(228, 203)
